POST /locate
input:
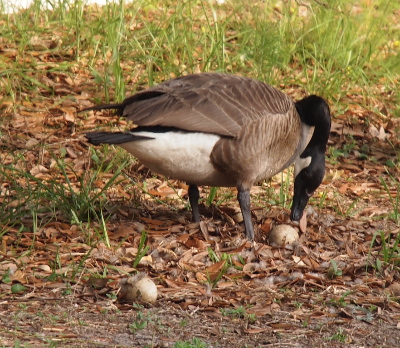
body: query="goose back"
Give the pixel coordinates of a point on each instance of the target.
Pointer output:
(212, 103)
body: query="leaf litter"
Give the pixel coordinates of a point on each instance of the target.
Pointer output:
(336, 276)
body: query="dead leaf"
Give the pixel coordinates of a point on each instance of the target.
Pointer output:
(39, 169)
(380, 134)
(393, 289)
(303, 222)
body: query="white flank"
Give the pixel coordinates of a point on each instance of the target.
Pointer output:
(179, 155)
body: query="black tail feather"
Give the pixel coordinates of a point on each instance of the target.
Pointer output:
(115, 138)
(121, 106)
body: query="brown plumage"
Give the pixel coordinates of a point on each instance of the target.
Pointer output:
(220, 130)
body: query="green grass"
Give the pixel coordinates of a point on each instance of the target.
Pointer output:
(387, 251)
(193, 343)
(123, 47)
(64, 193)
(142, 249)
(339, 336)
(140, 323)
(238, 313)
(394, 200)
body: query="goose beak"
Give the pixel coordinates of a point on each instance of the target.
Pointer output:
(308, 177)
(299, 204)
(301, 195)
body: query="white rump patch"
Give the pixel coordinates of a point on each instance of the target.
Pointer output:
(178, 155)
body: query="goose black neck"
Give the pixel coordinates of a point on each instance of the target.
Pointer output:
(314, 112)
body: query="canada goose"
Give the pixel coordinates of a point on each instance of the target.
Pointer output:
(225, 130)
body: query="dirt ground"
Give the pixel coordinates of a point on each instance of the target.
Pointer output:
(73, 322)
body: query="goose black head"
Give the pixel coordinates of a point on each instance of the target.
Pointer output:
(310, 167)
(305, 183)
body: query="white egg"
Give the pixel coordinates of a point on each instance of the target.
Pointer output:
(138, 288)
(283, 235)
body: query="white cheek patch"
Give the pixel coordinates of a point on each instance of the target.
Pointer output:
(306, 135)
(300, 164)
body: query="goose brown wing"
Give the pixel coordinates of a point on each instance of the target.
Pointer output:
(212, 103)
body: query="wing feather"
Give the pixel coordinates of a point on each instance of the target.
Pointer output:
(213, 103)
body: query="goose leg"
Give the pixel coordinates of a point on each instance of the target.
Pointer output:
(244, 202)
(194, 196)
